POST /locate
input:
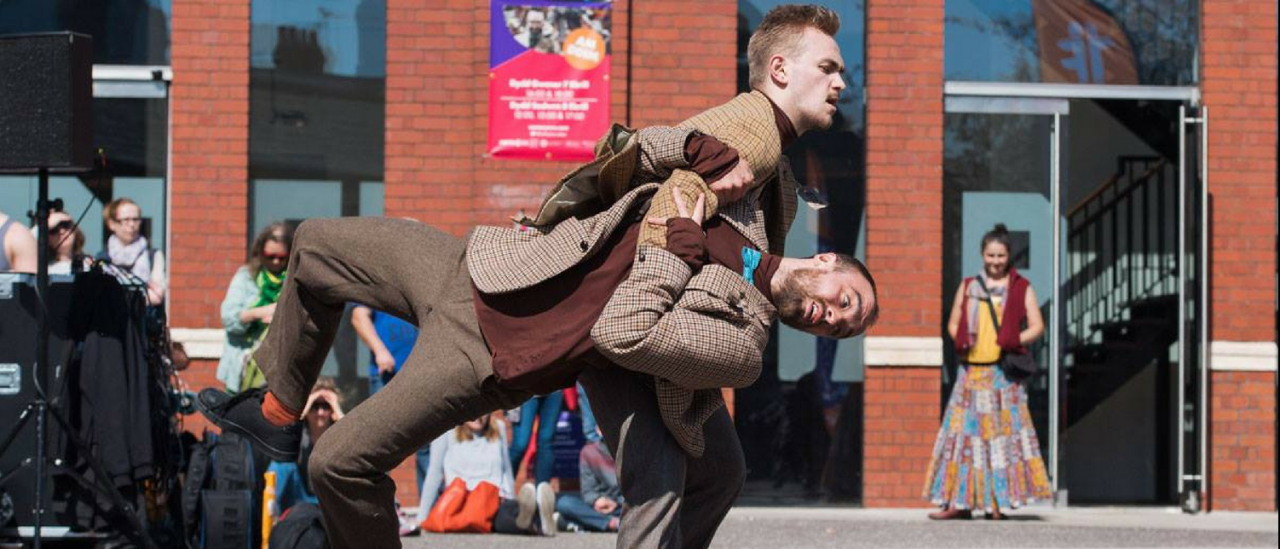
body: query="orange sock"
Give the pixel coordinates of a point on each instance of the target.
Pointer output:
(276, 412)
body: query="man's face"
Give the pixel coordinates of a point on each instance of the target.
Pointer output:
(815, 79)
(826, 301)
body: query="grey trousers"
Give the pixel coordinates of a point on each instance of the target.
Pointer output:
(672, 500)
(414, 272)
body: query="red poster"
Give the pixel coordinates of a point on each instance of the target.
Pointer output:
(548, 79)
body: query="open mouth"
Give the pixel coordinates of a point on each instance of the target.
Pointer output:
(813, 313)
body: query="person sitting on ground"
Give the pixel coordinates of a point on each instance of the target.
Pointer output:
(130, 252)
(17, 247)
(599, 508)
(472, 461)
(323, 409)
(250, 302)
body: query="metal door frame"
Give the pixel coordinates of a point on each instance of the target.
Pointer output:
(1193, 488)
(995, 103)
(1053, 100)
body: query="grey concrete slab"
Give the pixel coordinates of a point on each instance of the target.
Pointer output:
(821, 528)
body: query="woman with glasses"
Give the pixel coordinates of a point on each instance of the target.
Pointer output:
(251, 300)
(129, 251)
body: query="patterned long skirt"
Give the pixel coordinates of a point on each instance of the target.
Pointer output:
(987, 454)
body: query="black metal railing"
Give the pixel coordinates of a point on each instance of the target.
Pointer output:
(1121, 245)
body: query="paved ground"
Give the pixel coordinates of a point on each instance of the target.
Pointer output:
(772, 527)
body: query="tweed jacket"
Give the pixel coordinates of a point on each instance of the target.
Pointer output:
(694, 332)
(626, 159)
(746, 123)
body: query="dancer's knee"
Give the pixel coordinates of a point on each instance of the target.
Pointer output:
(325, 466)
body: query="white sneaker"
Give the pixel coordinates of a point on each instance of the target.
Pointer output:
(546, 509)
(527, 499)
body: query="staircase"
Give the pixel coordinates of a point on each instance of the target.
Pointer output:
(1122, 308)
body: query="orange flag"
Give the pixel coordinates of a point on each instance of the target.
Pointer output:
(1082, 44)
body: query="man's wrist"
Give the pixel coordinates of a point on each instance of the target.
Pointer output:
(687, 241)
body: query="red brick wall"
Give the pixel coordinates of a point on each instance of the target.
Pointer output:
(1242, 438)
(900, 423)
(210, 158)
(437, 101)
(904, 239)
(1239, 85)
(904, 163)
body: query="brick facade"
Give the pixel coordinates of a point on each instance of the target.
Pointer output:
(437, 101)
(1243, 449)
(1238, 64)
(210, 156)
(900, 422)
(904, 239)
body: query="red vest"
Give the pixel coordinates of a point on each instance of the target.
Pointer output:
(1015, 313)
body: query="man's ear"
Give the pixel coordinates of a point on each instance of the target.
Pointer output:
(778, 71)
(826, 260)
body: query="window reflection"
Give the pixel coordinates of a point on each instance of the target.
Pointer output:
(125, 32)
(1128, 42)
(317, 110)
(800, 423)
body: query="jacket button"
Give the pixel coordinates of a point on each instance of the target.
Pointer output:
(641, 257)
(583, 245)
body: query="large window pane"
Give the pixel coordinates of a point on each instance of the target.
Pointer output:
(1132, 42)
(317, 105)
(800, 423)
(125, 32)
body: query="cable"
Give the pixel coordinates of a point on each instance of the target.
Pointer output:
(102, 170)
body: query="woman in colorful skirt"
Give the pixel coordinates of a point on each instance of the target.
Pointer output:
(987, 456)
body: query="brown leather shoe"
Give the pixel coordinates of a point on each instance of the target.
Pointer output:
(951, 514)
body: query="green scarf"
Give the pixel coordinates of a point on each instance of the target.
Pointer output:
(269, 286)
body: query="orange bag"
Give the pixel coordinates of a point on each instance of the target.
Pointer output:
(457, 510)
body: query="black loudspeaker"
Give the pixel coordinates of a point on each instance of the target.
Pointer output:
(46, 94)
(19, 309)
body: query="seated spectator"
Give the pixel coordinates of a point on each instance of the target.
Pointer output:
(250, 301)
(473, 459)
(66, 245)
(599, 508)
(545, 409)
(130, 252)
(323, 408)
(17, 247)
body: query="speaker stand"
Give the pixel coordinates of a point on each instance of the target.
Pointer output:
(40, 408)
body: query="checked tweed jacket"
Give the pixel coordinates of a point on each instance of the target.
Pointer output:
(694, 332)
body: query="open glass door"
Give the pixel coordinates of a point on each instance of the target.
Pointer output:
(1001, 165)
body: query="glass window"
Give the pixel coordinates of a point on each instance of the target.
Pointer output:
(125, 32)
(800, 423)
(317, 110)
(132, 134)
(1130, 42)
